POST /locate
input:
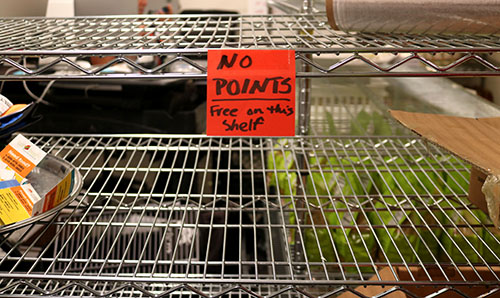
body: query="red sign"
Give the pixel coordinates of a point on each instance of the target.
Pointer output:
(251, 93)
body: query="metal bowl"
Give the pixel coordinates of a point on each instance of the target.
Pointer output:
(43, 178)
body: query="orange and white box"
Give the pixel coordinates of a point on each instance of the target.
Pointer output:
(18, 202)
(18, 199)
(20, 156)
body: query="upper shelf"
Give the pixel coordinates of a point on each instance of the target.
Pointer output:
(188, 37)
(188, 33)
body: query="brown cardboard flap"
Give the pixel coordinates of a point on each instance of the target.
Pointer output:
(476, 196)
(475, 140)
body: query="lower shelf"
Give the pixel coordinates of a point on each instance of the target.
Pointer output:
(313, 216)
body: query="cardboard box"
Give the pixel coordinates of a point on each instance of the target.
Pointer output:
(476, 195)
(19, 200)
(476, 140)
(435, 273)
(20, 156)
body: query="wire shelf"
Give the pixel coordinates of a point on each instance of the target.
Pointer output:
(313, 216)
(296, 6)
(187, 38)
(352, 108)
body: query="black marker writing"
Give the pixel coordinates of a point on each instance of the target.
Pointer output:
(246, 62)
(278, 109)
(243, 126)
(254, 111)
(216, 110)
(234, 87)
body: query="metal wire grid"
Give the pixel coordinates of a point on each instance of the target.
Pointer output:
(301, 216)
(160, 33)
(357, 107)
(294, 7)
(181, 290)
(343, 108)
(187, 38)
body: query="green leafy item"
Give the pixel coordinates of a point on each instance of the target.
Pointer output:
(381, 126)
(320, 184)
(331, 177)
(326, 247)
(332, 130)
(354, 245)
(374, 122)
(398, 244)
(464, 243)
(462, 239)
(466, 239)
(492, 240)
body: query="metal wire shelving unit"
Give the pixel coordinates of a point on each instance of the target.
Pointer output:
(205, 216)
(185, 39)
(146, 221)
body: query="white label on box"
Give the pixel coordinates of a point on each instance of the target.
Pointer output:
(7, 174)
(28, 149)
(5, 104)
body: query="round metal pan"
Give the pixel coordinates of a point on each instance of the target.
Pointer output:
(43, 178)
